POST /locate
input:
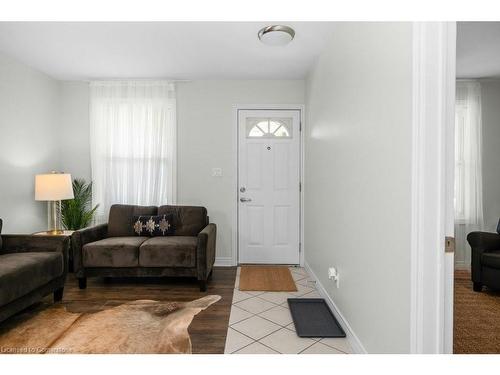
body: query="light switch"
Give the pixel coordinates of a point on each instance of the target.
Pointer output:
(216, 172)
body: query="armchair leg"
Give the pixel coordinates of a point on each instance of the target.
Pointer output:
(58, 294)
(203, 285)
(82, 282)
(477, 287)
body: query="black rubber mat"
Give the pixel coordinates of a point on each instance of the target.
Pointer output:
(313, 318)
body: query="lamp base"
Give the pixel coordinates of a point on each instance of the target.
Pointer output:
(54, 217)
(55, 232)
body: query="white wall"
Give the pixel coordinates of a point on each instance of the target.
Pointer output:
(74, 131)
(206, 139)
(357, 178)
(29, 115)
(490, 102)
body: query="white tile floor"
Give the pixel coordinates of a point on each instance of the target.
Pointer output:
(261, 323)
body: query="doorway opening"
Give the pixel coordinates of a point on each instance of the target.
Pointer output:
(477, 191)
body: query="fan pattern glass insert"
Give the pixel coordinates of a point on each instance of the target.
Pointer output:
(269, 128)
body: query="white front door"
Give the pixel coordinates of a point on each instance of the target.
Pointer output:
(268, 191)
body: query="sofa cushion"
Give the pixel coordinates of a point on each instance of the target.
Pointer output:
(188, 220)
(491, 260)
(113, 252)
(21, 273)
(171, 251)
(121, 218)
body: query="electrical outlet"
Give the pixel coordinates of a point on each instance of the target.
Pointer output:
(216, 172)
(333, 274)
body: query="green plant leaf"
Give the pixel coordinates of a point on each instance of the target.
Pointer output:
(78, 213)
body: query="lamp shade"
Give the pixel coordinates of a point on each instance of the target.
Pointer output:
(53, 187)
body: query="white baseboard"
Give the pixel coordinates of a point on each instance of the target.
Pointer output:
(223, 262)
(462, 266)
(355, 343)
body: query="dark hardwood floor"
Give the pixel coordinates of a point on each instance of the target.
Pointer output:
(208, 329)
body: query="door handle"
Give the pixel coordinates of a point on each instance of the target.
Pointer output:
(245, 199)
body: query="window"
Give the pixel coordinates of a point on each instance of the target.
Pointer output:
(132, 143)
(460, 118)
(468, 174)
(269, 128)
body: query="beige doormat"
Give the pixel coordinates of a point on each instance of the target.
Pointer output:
(143, 327)
(266, 279)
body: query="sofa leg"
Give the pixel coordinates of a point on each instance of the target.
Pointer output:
(58, 294)
(82, 282)
(477, 287)
(203, 285)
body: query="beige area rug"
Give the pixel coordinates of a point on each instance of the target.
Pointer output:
(266, 279)
(143, 327)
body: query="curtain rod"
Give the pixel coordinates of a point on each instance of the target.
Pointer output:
(136, 80)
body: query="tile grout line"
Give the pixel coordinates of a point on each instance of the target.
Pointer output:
(263, 317)
(340, 350)
(319, 342)
(262, 299)
(258, 340)
(314, 343)
(254, 342)
(275, 304)
(270, 333)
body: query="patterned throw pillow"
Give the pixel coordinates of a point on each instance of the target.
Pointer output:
(154, 225)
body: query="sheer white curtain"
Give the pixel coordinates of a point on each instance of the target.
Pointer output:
(468, 172)
(133, 139)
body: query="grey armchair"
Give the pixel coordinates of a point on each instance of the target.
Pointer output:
(485, 264)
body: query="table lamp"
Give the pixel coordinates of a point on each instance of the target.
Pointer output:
(53, 188)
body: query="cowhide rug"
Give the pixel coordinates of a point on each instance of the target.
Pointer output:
(142, 326)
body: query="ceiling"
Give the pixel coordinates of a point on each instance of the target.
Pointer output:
(478, 49)
(173, 50)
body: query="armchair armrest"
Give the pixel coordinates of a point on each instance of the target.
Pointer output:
(484, 241)
(23, 243)
(80, 238)
(206, 250)
(18, 243)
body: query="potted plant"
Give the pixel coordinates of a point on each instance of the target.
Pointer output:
(78, 213)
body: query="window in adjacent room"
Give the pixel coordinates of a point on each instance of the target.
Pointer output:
(468, 175)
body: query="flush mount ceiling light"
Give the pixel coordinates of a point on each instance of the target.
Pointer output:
(276, 35)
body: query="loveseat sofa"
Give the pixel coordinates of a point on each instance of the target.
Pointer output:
(31, 267)
(116, 249)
